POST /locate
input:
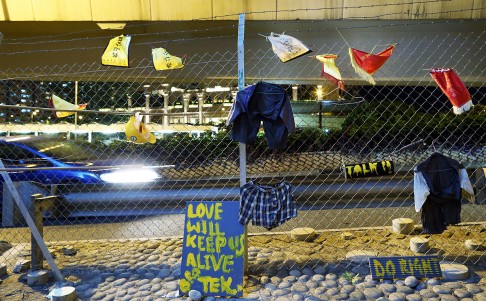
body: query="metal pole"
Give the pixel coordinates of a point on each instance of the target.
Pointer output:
(241, 86)
(76, 114)
(30, 222)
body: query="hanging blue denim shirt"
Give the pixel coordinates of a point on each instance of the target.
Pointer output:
(262, 102)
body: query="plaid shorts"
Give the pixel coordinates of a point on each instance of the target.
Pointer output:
(265, 205)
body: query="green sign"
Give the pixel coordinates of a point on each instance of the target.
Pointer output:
(402, 267)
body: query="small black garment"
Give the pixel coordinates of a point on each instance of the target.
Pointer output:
(443, 205)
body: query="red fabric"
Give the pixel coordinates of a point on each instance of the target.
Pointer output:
(334, 81)
(330, 71)
(451, 85)
(370, 63)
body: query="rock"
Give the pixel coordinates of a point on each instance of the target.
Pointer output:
(21, 266)
(331, 276)
(397, 297)
(357, 295)
(472, 244)
(454, 271)
(333, 291)
(346, 235)
(413, 297)
(419, 244)
(3, 270)
(462, 293)
(360, 256)
(454, 285)
(320, 270)
(432, 282)
(303, 234)
(195, 295)
(473, 288)
(66, 293)
(448, 298)
(402, 225)
(69, 251)
(373, 293)
(388, 288)
(299, 287)
(411, 281)
(442, 289)
(428, 294)
(295, 273)
(36, 278)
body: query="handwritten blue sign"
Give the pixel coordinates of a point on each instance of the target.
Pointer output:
(213, 249)
(402, 267)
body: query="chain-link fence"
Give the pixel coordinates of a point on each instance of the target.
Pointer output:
(102, 212)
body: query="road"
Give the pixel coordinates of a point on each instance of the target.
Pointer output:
(171, 223)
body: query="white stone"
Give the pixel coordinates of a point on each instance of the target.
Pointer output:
(346, 235)
(360, 256)
(36, 278)
(454, 271)
(303, 234)
(402, 225)
(419, 244)
(66, 293)
(472, 244)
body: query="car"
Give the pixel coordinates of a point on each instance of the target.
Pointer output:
(52, 161)
(56, 166)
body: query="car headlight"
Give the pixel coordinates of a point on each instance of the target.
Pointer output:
(130, 176)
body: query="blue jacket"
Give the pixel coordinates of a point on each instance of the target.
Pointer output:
(262, 102)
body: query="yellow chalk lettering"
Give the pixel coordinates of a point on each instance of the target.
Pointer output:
(435, 265)
(204, 227)
(214, 229)
(379, 270)
(390, 268)
(190, 211)
(200, 264)
(191, 260)
(373, 168)
(365, 171)
(349, 171)
(418, 266)
(190, 227)
(218, 211)
(403, 266)
(426, 266)
(383, 165)
(210, 244)
(220, 242)
(200, 243)
(226, 286)
(237, 244)
(216, 263)
(357, 170)
(191, 241)
(227, 262)
(205, 281)
(410, 266)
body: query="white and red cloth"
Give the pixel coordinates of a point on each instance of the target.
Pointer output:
(453, 88)
(60, 104)
(330, 71)
(366, 64)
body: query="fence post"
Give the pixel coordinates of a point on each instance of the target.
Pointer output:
(37, 260)
(30, 222)
(241, 86)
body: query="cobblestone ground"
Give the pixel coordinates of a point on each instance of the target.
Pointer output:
(279, 268)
